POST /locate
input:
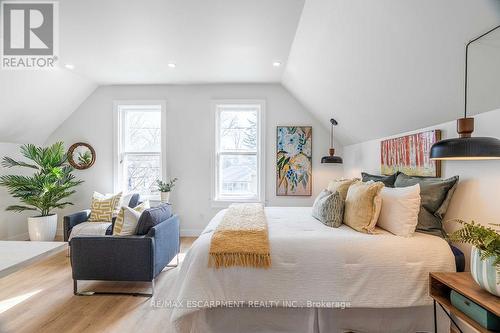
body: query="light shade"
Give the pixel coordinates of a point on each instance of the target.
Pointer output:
(471, 148)
(331, 159)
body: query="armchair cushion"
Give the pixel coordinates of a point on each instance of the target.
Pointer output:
(89, 229)
(152, 217)
(70, 221)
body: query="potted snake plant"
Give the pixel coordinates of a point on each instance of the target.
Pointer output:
(485, 254)
(46, 189)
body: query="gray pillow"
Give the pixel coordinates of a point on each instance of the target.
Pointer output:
(152, 217)
(436, 196)
(328, 208)
(387, 180)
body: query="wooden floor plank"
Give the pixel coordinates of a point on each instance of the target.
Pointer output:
(39, 298)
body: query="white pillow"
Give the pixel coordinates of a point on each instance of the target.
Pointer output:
(128, 218)
(400, 207)
(126, 199)
(130, 221)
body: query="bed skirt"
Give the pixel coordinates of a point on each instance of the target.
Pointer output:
(246, 320)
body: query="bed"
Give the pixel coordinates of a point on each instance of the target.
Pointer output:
(322, 279)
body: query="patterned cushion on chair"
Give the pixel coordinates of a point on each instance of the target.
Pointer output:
(127, 225)
(104, 208)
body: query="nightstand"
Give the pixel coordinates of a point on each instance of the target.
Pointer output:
(440, 286)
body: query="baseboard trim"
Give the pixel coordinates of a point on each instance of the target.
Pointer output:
(21, 237)
(191, 232)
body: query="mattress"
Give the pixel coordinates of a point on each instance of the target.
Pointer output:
(313, 266)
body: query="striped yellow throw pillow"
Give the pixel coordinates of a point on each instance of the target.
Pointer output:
(104, 208)
(125, 226)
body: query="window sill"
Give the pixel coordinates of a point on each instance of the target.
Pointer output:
(224, 203)
(152, 198)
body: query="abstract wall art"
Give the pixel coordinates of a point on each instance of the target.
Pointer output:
(410, 154)
(294, 161)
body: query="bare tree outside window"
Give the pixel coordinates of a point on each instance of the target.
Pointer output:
(237, 151)
(140, 159)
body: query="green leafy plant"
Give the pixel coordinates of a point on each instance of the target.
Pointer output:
(166, 186)
(486, 239)
(84, 158)
(51, 183)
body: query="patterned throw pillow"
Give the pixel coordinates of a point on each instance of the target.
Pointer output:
(104, 208)
(328, 208)
(126, 226)
(362, 206)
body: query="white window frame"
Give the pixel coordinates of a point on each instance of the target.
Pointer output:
(225, 201)
(118, 139)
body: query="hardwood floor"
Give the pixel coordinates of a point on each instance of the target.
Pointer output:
(39, 298)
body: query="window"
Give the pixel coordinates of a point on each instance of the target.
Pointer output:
(239, 159)
(139, 146)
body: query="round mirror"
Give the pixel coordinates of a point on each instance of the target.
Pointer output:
(81, 155)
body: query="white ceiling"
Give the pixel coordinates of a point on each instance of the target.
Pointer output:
(384, 67)
(379, 67)
(132, 42)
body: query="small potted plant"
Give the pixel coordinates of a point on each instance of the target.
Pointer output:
(43, 191)
(165, 188)
(485, 254)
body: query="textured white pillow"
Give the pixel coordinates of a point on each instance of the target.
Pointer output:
(126, 221)
(400, 207)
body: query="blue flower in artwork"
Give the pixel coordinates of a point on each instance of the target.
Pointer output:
(280, 144)
(292, 140)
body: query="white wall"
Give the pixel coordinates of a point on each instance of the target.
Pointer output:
(13, 226)
(188, 142)
(478, 193)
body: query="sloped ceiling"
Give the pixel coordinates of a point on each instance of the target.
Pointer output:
(379, 67)
(34, 103)
(132, 42)
(387, 66)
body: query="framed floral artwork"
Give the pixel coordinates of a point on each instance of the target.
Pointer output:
(294, 161)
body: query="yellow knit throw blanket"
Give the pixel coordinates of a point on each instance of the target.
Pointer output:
(241, 238)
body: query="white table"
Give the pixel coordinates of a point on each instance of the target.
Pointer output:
(15, 255)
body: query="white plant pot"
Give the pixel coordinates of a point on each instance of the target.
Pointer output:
(486, 275)
(42, 228)
(165, 197)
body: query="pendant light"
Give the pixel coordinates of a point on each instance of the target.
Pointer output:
(331, 158)
(466, 147)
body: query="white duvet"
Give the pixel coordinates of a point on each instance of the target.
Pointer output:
(314, 266)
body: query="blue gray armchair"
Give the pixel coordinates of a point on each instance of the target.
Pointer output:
(138, 258)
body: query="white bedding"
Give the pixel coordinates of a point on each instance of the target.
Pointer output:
(313, 262)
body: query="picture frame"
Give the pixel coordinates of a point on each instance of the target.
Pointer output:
(294, 161)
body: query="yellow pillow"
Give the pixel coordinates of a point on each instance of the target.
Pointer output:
(127, 227)
(104, 208)
(362, 206)
(341, 186)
